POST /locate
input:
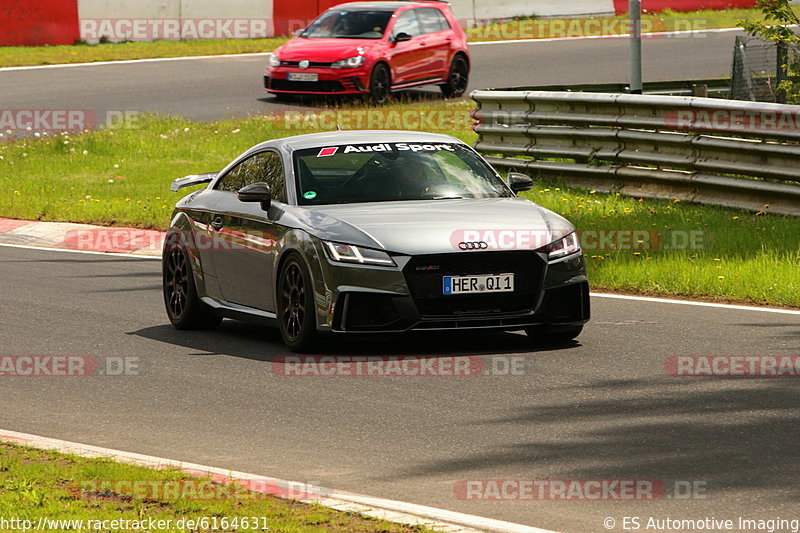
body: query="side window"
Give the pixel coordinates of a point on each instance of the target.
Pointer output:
(431, 20)
(230, 181)
(264, 167)
(407, 23)
(270, 171)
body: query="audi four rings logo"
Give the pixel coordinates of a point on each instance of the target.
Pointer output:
(475, 245)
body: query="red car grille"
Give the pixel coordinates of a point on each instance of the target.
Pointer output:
(324, 86)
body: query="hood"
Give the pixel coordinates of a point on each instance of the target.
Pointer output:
(323, 50)
(439, 226)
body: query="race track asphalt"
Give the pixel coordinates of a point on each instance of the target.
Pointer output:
(217, 88)
(602, 408)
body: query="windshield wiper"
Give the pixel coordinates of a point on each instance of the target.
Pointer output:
(448, 198)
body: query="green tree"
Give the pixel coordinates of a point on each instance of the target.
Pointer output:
(777, 26)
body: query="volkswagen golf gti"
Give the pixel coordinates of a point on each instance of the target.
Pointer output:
(371, 232)
(373, 48)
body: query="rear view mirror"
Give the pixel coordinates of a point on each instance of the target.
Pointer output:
(256, 192)
(401, 38)
(519, 182)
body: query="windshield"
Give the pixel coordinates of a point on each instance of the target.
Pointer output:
(349, 25)
(392, 172)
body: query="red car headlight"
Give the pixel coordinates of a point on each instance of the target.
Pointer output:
(350, 62)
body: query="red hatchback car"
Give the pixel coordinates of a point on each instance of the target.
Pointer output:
(374, 48)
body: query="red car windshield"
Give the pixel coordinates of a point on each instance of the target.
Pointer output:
(341, 24)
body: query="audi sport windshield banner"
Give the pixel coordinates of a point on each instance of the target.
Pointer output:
(385, 148)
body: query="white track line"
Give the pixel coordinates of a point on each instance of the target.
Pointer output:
(129, 61)
(88, 252)
(697, 304)
(333, 498)
(645, 36)
(265, 54)
(594, 294)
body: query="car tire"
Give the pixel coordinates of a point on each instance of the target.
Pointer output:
(554, 334)
(380, 85)
(184, 307)
(457, 78)
(296, 306)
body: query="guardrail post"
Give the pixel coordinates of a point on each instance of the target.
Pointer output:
(783, 72)
(700, 90)
(635, 13)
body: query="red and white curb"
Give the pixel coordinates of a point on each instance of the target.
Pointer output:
(393, 511)
(81, 237)
(141, 243)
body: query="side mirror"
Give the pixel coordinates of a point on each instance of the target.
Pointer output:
(401, 38)
(519, 182)
(256, 192)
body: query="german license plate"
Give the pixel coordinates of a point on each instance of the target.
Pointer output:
(483, 284)
(302, 76)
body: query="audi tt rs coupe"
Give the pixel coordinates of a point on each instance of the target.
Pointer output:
(373, 48)
(370, 232)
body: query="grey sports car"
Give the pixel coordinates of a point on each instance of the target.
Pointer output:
(371, 232)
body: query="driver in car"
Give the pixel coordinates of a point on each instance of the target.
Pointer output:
(411, 179)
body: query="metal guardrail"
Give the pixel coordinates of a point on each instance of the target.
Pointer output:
(714, 88)
(687, 148)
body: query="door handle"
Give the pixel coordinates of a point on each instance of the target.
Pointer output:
(217, 223)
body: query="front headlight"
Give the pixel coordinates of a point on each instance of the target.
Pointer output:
(347, 253)
(563, 247)
(274, 61)
(350, 62)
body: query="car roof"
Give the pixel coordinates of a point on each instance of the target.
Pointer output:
(384, 6)
(341, 138)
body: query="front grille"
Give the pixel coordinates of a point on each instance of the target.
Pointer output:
(424, 276)
(312, 64)
(325, 86)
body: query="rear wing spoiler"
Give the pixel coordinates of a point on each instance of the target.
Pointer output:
(194, 179)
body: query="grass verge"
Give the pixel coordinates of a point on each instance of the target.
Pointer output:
(122, 177)
(37, 484)
(659, 247)
(478, 31)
